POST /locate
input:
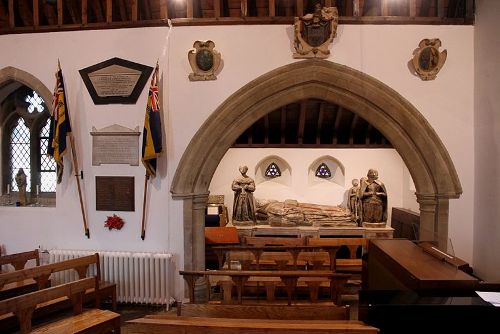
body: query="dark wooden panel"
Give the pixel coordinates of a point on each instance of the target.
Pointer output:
(115, 193)
(406, 223)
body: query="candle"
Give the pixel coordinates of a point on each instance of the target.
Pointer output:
(37, 189)
(8, 189)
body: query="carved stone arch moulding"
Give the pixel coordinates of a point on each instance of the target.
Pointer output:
(11, 73)
(424, 154)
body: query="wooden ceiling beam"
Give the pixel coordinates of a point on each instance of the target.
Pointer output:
(60, 18)
(135, 10)
(36, 14)
(368, 133)
(109, 11)
(163, 10)
(12, 18)
(354, 122)
(336, 126)
(283, 125)
(97, 8)
(217, 7)
(147, 10)
(266, 129)
(272, 8)
(85, 18)
(302, 122)
(321, 113)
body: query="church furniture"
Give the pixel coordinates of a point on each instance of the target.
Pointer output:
(410, 290)
(18, 262)
(42, 273)
(92, 321)
(289, 278)
(406, 223)
(196, 325)
(353, 264)
(263, 311)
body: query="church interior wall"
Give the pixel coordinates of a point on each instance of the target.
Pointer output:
(247, 52)
(356, 163)
(487, 141)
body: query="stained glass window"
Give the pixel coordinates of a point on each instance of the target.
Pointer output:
(273, 170)
(323, 171)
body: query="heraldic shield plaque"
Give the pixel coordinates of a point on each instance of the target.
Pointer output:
(204, 61)
(427, 59)
(315, 32)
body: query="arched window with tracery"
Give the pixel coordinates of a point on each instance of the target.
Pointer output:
(25, 126)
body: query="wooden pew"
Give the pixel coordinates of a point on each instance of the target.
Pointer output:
(196, 325)
(351, 265)
(19, 260)
(292, 312)
(42, 273)
(92, 321)
(289, 278)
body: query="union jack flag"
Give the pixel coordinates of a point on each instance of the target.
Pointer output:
(151, 135)
(60, 125)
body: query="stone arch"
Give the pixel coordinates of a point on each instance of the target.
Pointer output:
(11, 73)
(424, 154)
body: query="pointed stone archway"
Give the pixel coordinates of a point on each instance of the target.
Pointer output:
(424, 154)
(10, 73)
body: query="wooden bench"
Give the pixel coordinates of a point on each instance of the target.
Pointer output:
(93, 321)
(352, 264)
(196, 325)
(42, 273)
(289, 279)
(19, 260)
(292, 312)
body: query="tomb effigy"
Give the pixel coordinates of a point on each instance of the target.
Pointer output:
(291, 213)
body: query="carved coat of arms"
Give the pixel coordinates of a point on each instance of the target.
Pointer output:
(204, 61)
(315, 32)
(427, 59)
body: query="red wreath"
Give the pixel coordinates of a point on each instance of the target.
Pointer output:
(114, 221)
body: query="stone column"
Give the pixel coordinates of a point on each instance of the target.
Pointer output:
(443, 206)
(428, 229)
(194, 238)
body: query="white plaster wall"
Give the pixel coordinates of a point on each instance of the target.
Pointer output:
(356, 162)
(487, 142)
(248, 52)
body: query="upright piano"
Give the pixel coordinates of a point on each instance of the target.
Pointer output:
(409, 288)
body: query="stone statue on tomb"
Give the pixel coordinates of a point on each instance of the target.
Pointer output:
(373, 197)
(244, 203)
(353, 203)
(21, 186)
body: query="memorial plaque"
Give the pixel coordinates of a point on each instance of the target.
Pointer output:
(114, 193)
(115, 81)
(115, 145)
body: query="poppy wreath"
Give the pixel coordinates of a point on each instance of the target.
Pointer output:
(114, 222)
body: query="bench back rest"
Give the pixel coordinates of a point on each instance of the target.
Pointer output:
(293, 312)
(274, 241)
(41, 274)
(351, 243)
(23, 306)
(18, 260)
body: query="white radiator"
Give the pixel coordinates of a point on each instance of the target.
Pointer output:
(139, 277)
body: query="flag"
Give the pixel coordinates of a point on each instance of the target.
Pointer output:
(151, 135)
(59, 125)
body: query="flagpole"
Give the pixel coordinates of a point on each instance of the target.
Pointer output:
(75, 166)
(143, 229)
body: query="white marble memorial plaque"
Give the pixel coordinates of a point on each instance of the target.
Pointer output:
(114, 80)
(115, 145)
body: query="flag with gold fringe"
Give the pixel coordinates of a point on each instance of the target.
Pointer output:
(60, 126)
(151, 135)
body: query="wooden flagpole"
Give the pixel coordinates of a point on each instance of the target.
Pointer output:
(75, 166)
(77, 175)
(143, 227)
